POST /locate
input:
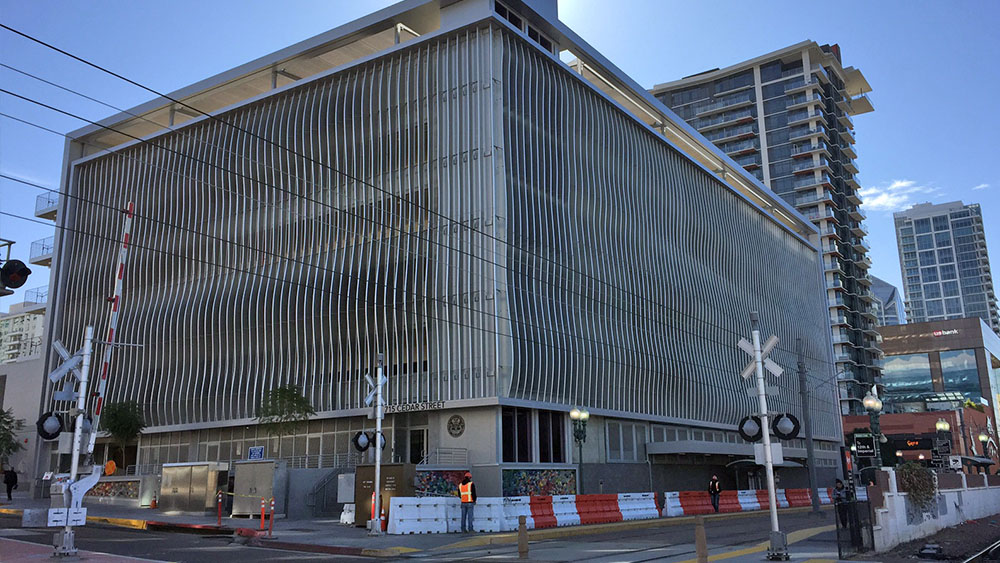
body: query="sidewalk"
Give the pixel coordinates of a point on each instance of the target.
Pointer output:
(17, 550)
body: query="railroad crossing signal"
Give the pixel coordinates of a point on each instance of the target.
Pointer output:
(374, 397)
(769, 365)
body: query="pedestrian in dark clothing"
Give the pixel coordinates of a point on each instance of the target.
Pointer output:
(714, 490)
(467, 493)
(10, 479)
(840, 501)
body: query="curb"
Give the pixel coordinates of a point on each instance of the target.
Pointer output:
(332, 549)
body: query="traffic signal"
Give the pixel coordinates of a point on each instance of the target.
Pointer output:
(13, 274)
(786, 426)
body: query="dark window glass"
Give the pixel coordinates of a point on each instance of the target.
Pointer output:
(960, 373)
(941, 223)
(906, 376)
(551, 444)
(770, 71)
(516, 435)
(922, 226)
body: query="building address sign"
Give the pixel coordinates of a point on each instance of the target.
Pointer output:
(415, 407)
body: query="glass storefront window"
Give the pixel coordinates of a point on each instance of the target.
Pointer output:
(907, 375)
(958, 367)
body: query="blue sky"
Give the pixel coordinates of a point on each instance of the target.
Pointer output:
(932, 66)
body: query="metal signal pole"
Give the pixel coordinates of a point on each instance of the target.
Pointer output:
(807, 423)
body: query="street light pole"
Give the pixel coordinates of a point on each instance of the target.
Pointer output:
(580, 418)
(874, 406)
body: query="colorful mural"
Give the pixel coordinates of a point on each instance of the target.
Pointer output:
(121, 489)
(528, 482)
(438, 483)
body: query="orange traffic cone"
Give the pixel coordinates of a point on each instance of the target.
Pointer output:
(385, 523)
(152, 503)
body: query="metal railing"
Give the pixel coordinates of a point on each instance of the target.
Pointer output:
(447, 456)
(725, 102)
(38, 295)
(42, 247)
(46, 200)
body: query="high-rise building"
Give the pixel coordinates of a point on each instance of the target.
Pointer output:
(888, 303)
(22, 331)
(787, 118)
(946, 269)
(433, 184)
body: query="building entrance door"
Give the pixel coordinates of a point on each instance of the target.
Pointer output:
(418, 445)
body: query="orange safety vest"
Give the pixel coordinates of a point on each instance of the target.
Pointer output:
(465, 491)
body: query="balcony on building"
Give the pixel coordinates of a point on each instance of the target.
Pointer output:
(853, 197)
(848, 150)
(865, 262)
(861, 104)
(845, 121)
(802, 117)
(805, 166)
(749, 162)
(738, 117)
(741, 147)
(834, 265)
(800, 85)
(823, 196)
(807, 182)
(847, 135)
(41, 251)
(35, 300)
(804, 100)
(852, 182)
(732, 133)
(861, 245)
(851, 167)
(839, 319)
(808, 149)
(818, 132)
(818, 215)
(856, 213)
(46, 205)
(729, 102)
(833, 248)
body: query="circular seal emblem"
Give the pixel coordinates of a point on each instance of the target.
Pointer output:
(456, 426)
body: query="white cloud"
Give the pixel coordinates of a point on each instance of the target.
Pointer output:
(981, 187)
(896, 196)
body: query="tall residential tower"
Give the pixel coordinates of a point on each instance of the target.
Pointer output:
(942, 254)
(786, 118)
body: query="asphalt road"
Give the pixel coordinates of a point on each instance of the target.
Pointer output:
(160, 546)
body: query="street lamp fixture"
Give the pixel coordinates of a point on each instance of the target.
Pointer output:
(983, 437)
(942, 425)
(873, 405)
(580, 418)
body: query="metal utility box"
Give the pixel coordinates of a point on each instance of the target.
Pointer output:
(260, 479)
(397, 481)
(191, 487)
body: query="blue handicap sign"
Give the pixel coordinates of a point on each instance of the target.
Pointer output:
(255, 452)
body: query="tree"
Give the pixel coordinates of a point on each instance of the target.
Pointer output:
(9, 427)
(124, 422)
(284, 409)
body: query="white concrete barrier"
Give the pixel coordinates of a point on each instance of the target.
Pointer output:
(564, 509)
(428, 515)
(672, 504)
(514, 507)
(638, 506)
(748, 500)
(347, 515)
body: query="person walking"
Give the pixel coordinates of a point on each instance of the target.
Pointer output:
(840, 501)
(10, 479)
(714, 490)
(467, 492)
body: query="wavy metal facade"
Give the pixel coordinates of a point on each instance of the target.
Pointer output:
(467, 206)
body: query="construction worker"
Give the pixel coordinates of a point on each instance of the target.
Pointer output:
(467, 492)
(714, 490)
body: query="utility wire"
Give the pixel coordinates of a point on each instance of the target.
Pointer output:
(311, 160)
